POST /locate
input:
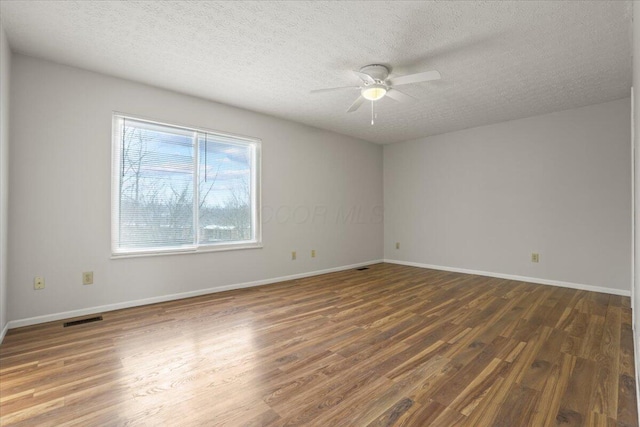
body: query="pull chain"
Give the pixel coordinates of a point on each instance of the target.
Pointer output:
(372, 113)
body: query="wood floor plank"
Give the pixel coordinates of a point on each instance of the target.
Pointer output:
(391, 415)
(538, 372)
(389, 346)
(627, 411)
(546, 411)
(574, 405)
(420, 415)
(518, 408)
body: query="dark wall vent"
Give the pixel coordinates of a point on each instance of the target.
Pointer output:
(81, 321)
(362, 268)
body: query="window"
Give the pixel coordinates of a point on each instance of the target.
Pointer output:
(179, 189)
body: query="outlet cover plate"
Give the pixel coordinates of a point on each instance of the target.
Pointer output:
(87, 278)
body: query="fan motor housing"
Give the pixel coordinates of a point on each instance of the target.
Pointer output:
(377, 71)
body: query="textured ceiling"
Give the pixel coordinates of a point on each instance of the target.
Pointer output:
(498, 60)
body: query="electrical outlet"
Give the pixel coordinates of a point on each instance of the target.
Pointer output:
(87, 278)
(313, 253)
(397, 245)
(535, 257)
(38, 283)
(293, 256)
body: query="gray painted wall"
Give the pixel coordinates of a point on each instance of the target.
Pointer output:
(636, 143)
(480, 199)
(60, 194)
(5, 65)
(486, 198)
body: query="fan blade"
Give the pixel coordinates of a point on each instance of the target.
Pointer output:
(415, 78)
(331, 89)
(356, 104)
(396, 95)
(365, 77)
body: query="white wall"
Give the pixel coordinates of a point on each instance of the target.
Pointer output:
(60, 194)
(5, 65)
(485, 198)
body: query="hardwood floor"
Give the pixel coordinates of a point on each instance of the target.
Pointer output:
(387, 346)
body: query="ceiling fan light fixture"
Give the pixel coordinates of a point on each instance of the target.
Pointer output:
(374, 92)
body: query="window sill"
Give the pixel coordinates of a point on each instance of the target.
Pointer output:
(199, 250)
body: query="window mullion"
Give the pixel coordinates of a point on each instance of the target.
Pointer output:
(196, 190)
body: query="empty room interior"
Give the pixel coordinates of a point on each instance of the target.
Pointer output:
(387, 213)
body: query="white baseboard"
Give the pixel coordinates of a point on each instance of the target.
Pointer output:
(126, 304)
(518, 278)
(117, 306)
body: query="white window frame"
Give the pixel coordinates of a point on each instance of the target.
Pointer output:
(256, 201)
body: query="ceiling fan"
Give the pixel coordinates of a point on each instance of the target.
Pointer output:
(375, 84)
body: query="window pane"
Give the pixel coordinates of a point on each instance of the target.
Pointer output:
(156, 186)
(225, 190)
(176, 188)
